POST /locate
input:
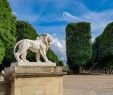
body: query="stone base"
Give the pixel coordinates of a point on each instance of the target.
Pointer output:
(38, 86)
(5, 88)
(36, 80)
(33, 64)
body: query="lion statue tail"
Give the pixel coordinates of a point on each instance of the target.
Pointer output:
(16, 46)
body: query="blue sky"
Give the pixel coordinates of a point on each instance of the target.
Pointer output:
(52, 16)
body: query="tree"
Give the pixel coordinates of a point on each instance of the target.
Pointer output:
(60, 63)
(51, 56)
(25, 31)
(7, 28)
(78, 45)
(103, 47)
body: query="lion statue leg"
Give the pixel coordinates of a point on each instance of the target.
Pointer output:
(17, 56)
(43, 53)
(23, 56)
(37, 56)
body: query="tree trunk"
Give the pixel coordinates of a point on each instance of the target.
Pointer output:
(109, 70)
(105, 71)
(80, 69)
(77, 69)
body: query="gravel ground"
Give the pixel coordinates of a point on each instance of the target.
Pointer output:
(88, 85)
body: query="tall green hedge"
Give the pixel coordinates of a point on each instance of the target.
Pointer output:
(51, 56)
(7, 28)
(25, 31)
(78, 45)
(103, 46)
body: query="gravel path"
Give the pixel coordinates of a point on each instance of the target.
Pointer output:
(88, 85)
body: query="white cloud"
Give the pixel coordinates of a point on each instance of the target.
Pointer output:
(98, 20)
(69, 17)
(26, 17)
(92, 40)
(58, 46)
(14, 13)
(57, 31)
(30, 18)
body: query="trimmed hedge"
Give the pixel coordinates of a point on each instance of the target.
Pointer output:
(7, 28)
(78, 44)
(103, 46)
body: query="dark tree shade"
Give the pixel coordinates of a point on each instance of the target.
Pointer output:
(25, 31)
(78, 45)
(51, 56)
(7, 28)
(103, 47)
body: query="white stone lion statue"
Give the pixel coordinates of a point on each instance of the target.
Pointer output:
(39, 46)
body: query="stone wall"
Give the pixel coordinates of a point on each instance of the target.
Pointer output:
(2, 87)
(5, 88)
(38, 86)
(37, 80)
(32, 80)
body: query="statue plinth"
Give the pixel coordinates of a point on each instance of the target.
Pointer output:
(33, 64)
(36, 79)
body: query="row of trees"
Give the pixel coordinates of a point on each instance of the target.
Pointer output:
(103, 47)
(12, 31)
(81, 52)
(7, 28)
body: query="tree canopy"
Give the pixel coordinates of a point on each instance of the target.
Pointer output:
(7, 28)
(103, 46)
(25, 31)
(78, 44)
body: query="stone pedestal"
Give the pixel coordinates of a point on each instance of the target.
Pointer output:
(36, 80)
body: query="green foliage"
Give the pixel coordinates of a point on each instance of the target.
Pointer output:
(2, 51)
(7, 28)
(60, 63)
(103, 46)
(51, 56)
(78, 44)
(25, 31)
